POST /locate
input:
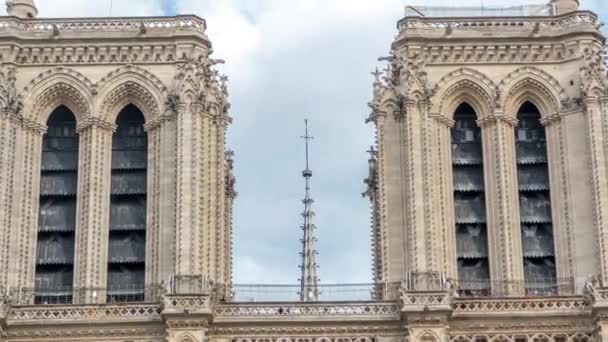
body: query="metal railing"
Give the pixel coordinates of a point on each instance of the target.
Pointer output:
(70, 295)
(527, 288)
(327, 292)
(247, 293)
(479, 11)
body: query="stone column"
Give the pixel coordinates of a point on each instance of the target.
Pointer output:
(9, 125)
(163, 262)
(187, 317)
(560, 201)
(596, 141)
(426, 313)
(219, 173)
(443, 204)
(185, 223)
(416, 243)
(24, 206)
(93, 210)
(502, 204)
(203, 153)
(155, 244)
(383, 272)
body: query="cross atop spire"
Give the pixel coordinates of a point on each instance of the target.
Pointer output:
(309, 291)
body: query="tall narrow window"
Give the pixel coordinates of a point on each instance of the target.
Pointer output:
(469, 204)
(57, 213)
(127, 243)
(534, 202)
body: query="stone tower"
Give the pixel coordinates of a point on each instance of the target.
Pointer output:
(113, 168)
(23, 9)
(455, 112)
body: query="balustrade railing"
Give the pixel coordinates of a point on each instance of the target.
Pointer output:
(504, 23)
(141, 24)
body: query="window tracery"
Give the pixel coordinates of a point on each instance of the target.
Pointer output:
(469, 203)
(57, 210)
(127, 241)
(535, 202)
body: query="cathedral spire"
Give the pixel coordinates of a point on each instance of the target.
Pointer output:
(22, 9)
(309, 291)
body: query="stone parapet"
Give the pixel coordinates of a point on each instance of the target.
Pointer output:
(497, 27)
(104, 27)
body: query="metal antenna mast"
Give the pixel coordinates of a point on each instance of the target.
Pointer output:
(309, 291)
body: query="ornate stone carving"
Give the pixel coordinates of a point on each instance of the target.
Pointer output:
(9, 100)
(310, 310)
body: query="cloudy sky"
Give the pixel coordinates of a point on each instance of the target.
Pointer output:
(288, 60)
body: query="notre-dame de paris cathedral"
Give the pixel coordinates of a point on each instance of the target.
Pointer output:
(488, 185)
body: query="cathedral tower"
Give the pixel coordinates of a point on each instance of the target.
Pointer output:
(490, 153)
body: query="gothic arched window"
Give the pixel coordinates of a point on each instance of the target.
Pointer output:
(57, 212)
(127, 243)
(534, 202)
(469, 203)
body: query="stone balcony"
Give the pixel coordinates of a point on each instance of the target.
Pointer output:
(180, 25)
(455, 28)
(227, 318)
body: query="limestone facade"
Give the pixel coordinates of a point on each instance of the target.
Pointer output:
(163, 67)
(160, 65)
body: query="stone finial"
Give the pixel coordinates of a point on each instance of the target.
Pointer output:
(565, 6)
(23, 9)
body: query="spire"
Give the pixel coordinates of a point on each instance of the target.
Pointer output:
(22, 9)
(309, 292)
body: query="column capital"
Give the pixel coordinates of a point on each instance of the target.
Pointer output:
(554, 118)
(443, 120)
(95, 122)
(589, 99)
(496, 118)
(33, 126)
(197, 107)
(153, 124)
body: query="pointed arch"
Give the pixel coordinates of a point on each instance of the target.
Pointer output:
(427, 336)
(470, 222)
(464, 85)
(56, 87)
(57, 209)
(536, 219)
(530, 84)
(186, 337)
(128, 207)
(130, 85)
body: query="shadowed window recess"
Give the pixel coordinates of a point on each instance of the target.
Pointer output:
(57, 211)
(534, 202)
(469, 203)
(127, 242)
